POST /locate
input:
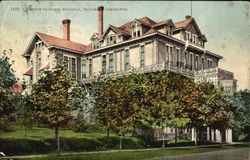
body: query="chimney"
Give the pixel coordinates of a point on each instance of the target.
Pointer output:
(100, 21)
(188, 17)
(66, 29)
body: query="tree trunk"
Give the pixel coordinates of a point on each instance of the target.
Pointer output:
(175, 134)
(120, 142)
(163, 140)
(108, 138)
(57, 138)
(195, 136)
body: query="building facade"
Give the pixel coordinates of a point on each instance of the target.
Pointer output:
(141, 44)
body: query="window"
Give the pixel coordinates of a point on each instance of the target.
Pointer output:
(169, 31)
(191, 62)
(96, 44)
(126, 59)
(171, 55)
(59, 58)
(167, 54)
(142, 56)
(73, 68)
(111, 62)
(138, 33)
(209, 64)
(83, 68)
(104, 64)
(202, 64)
(178, 61)
(90, 67)
(66, 62)
(137, 30)
(196, 62)
(186, 60)
(111, 40)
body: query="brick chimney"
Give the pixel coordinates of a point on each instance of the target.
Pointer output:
(100, 21)
(66, 29)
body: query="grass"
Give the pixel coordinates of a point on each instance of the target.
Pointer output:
(38, 133)
(142, 155)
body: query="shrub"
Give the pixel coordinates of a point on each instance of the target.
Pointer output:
(12, 146)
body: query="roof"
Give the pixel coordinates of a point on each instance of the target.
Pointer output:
(29, 72)
(183, 24)
(162, 23)
(45, 66)
(60, 42)
(88, 47)
(17, 88)
(121, 31)
(144, 20)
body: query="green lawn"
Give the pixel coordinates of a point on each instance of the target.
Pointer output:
(143, 155)
(45, 133)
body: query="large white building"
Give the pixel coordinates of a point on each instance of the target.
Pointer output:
(141, 44)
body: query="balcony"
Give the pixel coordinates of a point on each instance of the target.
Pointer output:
(146, 69)
(213, 75)
(220, 73)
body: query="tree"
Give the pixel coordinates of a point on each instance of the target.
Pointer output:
(116, 103)
(7, 98)
(50, 99)
(193, 106)
(241, 105)
(25, 113)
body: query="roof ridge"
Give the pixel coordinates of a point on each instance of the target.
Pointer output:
(60, 38)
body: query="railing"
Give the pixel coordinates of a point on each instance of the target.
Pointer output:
(146, 69)
(220, 73)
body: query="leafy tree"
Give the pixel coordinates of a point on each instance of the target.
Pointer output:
(116, 103)
(25, 113)
(7, 98)
(50, 98)
(193, 106)
(241, 104)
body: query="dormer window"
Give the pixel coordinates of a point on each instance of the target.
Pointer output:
(111, 40)
(137, 30)
(39, 46)
(96, 44)
(169, 31)
(95, 41)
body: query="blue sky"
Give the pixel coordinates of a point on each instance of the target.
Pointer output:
(225, 24)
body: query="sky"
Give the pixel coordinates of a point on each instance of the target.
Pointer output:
(225, 24)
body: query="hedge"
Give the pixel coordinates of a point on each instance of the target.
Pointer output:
(12, 146)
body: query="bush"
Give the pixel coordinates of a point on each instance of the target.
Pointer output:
(6, 127)
(12, 146)
(80, 126)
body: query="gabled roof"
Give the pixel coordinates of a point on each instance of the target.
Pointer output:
(56, 42)
(60, 42)
(183, 24)
(163, 23)
(120, 31)
(45, 66)
(145, 20)
(29, 72)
